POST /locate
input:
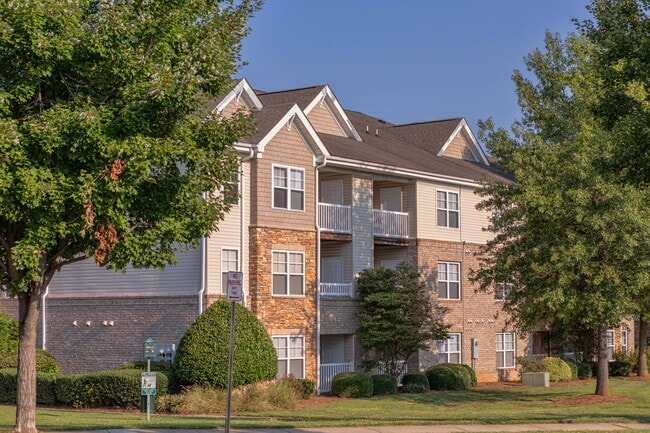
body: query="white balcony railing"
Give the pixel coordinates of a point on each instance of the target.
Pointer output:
(336, 289)
(328, 371)
(390, 224)
(334, 218)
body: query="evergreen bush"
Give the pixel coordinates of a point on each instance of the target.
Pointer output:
(620, 368)
(448, 377)
(352, 384)
(8, 333)
(558, 369)
(46, 384)
(415, 383)
(45, 361)
(202, 354)
(585, 370)
(471, 374)
(302, 388)
(383, 384)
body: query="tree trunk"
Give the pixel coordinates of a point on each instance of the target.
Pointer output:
(29, 305)
(602, 380)
(642, 368)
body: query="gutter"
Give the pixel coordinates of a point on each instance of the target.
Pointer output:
(204, 264)
(242, 210)
(319, 165)
(44, 324)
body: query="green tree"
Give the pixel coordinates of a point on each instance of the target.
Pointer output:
(105, 147)
(570, 239)
(620, 33)
(397, 316)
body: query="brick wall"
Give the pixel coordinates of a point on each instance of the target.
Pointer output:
(284, 315)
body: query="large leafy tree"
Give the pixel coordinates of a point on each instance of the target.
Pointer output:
(620, 33)
(105, 147)
(572, 241)
(397, 316)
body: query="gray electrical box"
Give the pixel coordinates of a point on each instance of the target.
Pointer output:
(474, 348)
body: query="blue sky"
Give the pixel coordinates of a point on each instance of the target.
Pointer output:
(408, 60)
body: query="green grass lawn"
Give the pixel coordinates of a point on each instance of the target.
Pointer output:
(511, 405)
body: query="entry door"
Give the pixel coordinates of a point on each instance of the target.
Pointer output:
(332, 192)
(332, 270)
(391, 199)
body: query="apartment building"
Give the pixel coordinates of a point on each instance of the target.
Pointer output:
(324, 193)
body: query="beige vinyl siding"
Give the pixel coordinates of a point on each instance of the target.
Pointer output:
(385, 253)
(228, 236)
(86, 279)
(472, 221)
(287, 149)
(323, 121)
(343, 250)
(460, 148)
(409, 201)
(233, 106)
(347, 184)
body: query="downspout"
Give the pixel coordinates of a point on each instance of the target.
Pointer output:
(204, 264)
(44, 325)
(319, 165)
(242, 210)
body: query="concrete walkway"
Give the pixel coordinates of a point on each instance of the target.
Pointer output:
(451, 428)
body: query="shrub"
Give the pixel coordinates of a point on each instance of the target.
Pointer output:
(558, 369)
(585, 370)
(383, 384)
(46, 384)
(302, 388)
(352, 384)
(449, 377)
(574, 370)
(202, 354)
(8, 333)
(119, 388)
(620, 368)
(45, 361)
(415, 382)
(471, 374)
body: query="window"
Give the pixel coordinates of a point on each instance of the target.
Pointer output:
(505, 350)
(291, 355)
(624, 336)
(288, 188)
(501, 291)
(610, 344)
(229, 262)
(231, 190)
(288, 273)
(449, 349)
(448, 280)
(447, 209)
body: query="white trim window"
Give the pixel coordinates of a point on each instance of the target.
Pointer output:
(505, 350)
(448, 280)
(447, 209)
(231, 190)
(501, 291)
(288, 273)
(449, 349)
(288, 188)
(624, 339)
(291, 355)
(610, 344)
(229, 262)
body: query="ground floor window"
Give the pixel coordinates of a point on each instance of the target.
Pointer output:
(505, 349)
(291, 355)
(624, 337)
(610, 344)
(449, 349)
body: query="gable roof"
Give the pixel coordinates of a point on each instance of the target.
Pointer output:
(241, 90)
(302, 96)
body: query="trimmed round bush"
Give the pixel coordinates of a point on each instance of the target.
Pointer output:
(352, 384)
(383, 384)
(415, 382)
(558, 369)
(471, 374)
(202, 354)
(448, 377)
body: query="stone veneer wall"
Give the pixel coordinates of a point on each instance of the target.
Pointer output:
(477, 315)
(284, 315)
(97, 346)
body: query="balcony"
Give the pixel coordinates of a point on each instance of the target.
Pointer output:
(339, 290)
(335, 218)
(327, 373)
(389, 224)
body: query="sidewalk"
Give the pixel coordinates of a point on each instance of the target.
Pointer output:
(450, 428)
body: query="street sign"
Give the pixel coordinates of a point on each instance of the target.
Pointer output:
(149, 348)
(148, 386)
(234, 290)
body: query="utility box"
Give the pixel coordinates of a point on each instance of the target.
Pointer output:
(536, 379)
(474, 348)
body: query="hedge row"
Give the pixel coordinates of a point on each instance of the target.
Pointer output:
(120, 388)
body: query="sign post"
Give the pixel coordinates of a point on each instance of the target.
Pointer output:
(149, 378)
(234, 293)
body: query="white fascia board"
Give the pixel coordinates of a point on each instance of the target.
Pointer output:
(462, 125)
(337, 111)
(395, 171)
(292, 114)
(241, 89)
